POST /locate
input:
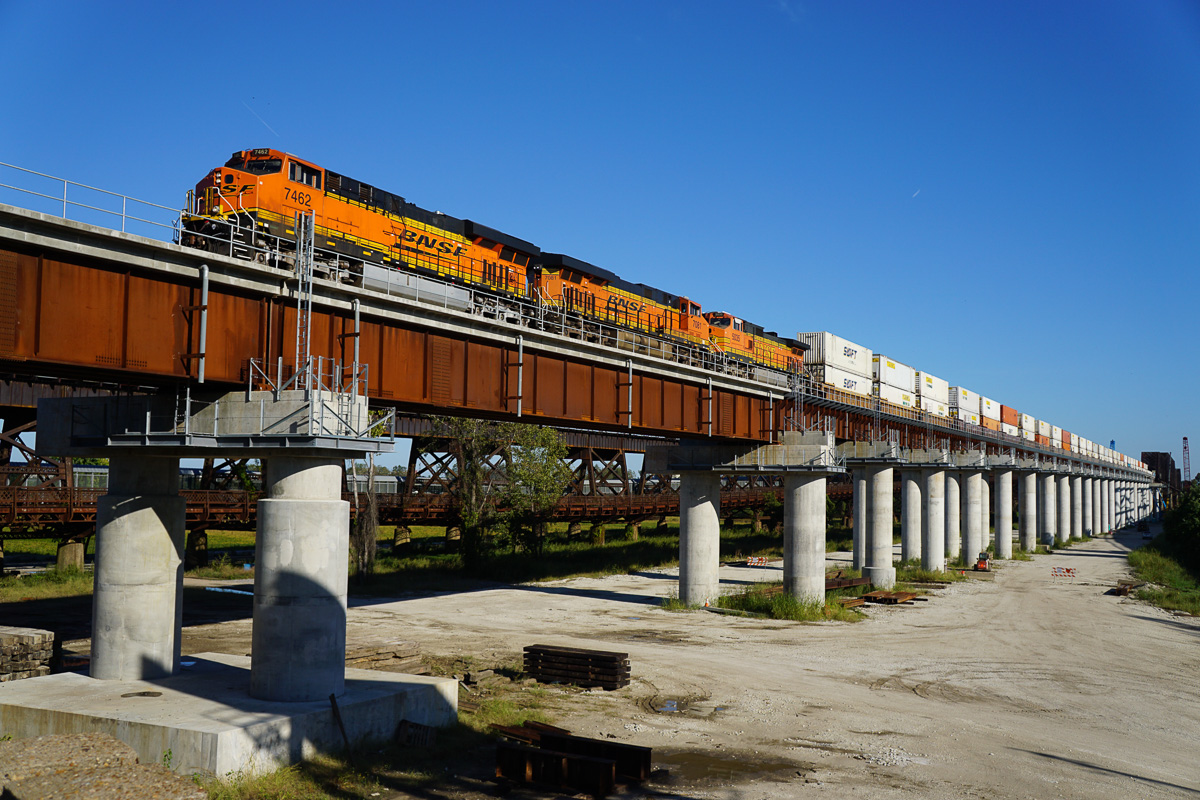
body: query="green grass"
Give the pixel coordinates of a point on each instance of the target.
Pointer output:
(222, 569)
(914, 573)
(779, 605)
(1175, 588)
(40, 586)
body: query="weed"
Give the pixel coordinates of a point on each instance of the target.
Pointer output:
(918, 574)
(1174, 587)
(68, 582)
(672, 603)
(768, 600)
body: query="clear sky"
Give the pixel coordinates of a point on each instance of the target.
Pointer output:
(1005, 195)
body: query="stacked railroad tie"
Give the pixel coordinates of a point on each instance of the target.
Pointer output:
(549, 664)
(388, 657)
(543, 754)
(25, 653)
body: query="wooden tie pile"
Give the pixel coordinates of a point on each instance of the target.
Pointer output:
(549, 664)
(891, 598)
(389, 657)
(543, 754)
(25, 653)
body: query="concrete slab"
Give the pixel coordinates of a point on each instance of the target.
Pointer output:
(205, 718)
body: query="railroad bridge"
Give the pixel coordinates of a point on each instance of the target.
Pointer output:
(149, 351)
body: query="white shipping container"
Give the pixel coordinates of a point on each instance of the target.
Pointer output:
(934, 407)
(969, 417)
(894, 395)
(1074, 442)
(1011, 430)
(964, 398)
(989, 408)
(843, 379)
(933, 387)
(1043, 428)
(1027, 435)
(834, 351)
(893, 373)
(1056, 433)
(1028, 423)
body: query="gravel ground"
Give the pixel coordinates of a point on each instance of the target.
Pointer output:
(1027, 686)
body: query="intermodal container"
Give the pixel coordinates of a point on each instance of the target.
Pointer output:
(1027, 435)
(1009, 428)
(1042, 440)
(969, 417)
(1010, 416)
(1066, 440)
(834, 351)
(1028, 423)
(932, 387)
(989, 423)
(1043, 428)
(843, 379)
(1074, 442)
(1056, 433)
(989, 408)
(964, 399)
(891, 372)
(894, 395)
(934, 407)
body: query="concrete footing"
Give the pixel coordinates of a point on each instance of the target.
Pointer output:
(137, 604)
(205, 718)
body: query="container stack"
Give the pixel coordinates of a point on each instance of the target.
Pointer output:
(1056, 436)
(964, 405)
(933, 394)
(893, 381)
(1028, 427)
(1043, 433)
(838, 362)
(1010, 420)
(989, 413)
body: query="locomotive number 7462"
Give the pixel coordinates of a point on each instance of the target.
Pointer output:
(299, 198)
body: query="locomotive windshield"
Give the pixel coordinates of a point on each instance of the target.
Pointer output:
(256, 166)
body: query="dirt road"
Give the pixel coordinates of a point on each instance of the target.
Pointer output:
(1025, 687)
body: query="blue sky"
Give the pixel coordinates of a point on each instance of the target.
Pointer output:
(1003, 194)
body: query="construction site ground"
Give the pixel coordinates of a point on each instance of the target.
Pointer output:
(1025, 686)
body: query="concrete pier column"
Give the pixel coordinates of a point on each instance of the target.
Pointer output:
(1105, 521)
(861, 504)
(298, 648)
(953, 517)
(804, 536)
(1004, 506)
(972, 540)
(933, 520)
(1088, 519)
(1097, 516)
(910, 518)
(1049, 518)
(985, 512)
(699, 537)
(879, 530)
(1076, 507)
(1029, 512)
(137, 604)
(1063, 495)
(1110, 498)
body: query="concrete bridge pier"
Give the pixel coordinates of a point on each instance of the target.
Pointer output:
(1029, 511)
(1076, 506)
(933, 520)
(953, 516)
(804, 536)
(1063, 496)
(1109, 506)
(879, 566)
(1049, 509)
(299, 635)
(1004, 506)
(861, 504)
(137, 603)
(985, 512)
(972, 515)
(1089, 525)
(699, 537)
(910, 514)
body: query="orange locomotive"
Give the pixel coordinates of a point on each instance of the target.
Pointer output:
(251, 202)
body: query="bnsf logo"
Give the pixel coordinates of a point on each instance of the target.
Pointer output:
(850, 352)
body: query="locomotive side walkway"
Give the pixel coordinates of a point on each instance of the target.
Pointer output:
(1028, 686)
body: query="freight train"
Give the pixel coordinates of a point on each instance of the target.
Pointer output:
(249, 205)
